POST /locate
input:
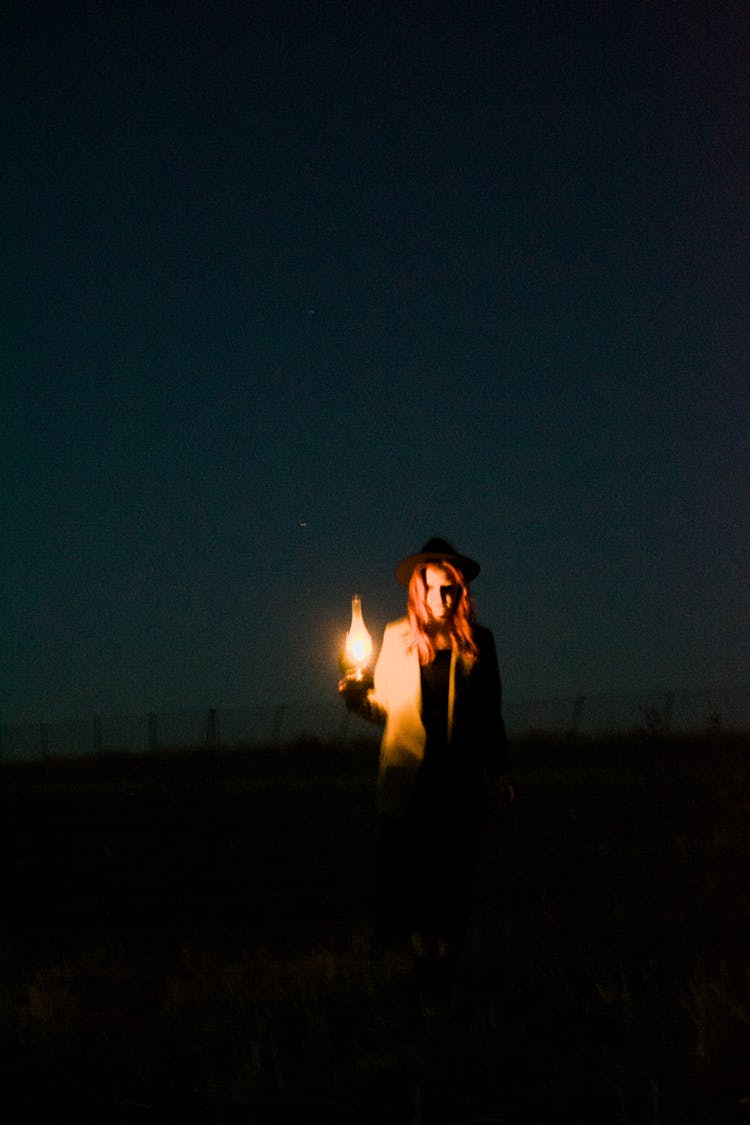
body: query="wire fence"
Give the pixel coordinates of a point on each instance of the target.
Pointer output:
(274, 725)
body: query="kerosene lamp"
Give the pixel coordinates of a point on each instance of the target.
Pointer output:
(358, 648)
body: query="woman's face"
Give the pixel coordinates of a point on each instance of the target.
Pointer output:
(441, 593)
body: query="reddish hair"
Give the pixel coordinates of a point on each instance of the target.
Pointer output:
(459, 625)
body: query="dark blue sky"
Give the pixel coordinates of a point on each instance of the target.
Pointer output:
(290, 288)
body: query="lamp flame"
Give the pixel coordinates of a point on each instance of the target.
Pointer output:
(358, 641)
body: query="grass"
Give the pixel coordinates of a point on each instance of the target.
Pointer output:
(186, 936)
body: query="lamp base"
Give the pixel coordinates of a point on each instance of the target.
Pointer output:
(359, 677)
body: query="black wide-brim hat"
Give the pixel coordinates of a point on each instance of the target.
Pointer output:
(436, 551)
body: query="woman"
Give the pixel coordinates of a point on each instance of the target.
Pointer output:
(437, 691)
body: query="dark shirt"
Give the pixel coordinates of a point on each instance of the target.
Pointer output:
(435, 681)
(433, 796)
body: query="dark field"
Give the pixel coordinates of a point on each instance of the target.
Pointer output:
(185, 937)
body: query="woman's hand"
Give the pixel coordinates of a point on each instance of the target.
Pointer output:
(505, 789)
(355, 694)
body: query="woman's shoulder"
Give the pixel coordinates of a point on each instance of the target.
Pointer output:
(396, 636)
(484, 637)
(395, 642)
(397, 628)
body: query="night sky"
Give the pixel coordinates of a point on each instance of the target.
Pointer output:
(289, 288)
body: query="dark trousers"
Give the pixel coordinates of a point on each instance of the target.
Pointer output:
(425, 873)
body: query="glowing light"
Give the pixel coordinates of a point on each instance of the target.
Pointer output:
(358, 641)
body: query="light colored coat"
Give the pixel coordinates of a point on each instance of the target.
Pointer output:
(476, 733)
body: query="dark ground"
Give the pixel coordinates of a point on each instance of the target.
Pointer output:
(186, 937)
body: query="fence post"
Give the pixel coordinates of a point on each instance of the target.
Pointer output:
(97, 732)
(278, 720)
(575, 718)
(153, 735)
(668, 709)
(212, 728)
